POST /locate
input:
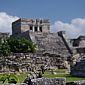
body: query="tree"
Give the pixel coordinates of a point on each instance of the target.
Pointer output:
(32, 47)
(15, 45)
(4, 48)
(4, 51)
(21, 45)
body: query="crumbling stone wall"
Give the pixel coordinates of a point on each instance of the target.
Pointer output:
(52, 81)
(28, 61)
(48, 81)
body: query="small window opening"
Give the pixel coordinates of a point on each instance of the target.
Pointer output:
(30, 27)
(40, 29)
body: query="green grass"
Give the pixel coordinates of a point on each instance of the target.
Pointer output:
(73, 78)
(60, 71)
(48, 74)
(62, 74)
(22, 77)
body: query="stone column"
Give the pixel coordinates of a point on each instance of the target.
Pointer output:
(38, 29)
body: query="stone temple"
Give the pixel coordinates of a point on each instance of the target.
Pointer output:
(53, 48)
(38, 31)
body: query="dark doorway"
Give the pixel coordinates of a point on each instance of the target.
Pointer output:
(35, 29)
(40, 29)
(31, 28)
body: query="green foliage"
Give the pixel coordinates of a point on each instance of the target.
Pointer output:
(3, 79)
(4, 51)
(16, 45)
(13, 81)
(21, 45)
(4, 48)
(32, 47)
(8, 78)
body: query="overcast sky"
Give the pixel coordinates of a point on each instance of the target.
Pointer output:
(68, 15)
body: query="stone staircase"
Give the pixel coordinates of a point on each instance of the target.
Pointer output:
(50, 43)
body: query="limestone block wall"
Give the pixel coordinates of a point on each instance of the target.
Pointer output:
(27, 61)
(48, 81)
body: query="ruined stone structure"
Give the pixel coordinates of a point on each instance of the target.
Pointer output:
(4, 36)
(53, 45)
(48, 81)
(52, 81)
(78, 69)
(23, 25)
(38, 31)
(30, 62)
(52, 48)
(79, 44)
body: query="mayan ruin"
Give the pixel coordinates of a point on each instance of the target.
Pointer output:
(53, 46)
(54, 50)
(42, 42)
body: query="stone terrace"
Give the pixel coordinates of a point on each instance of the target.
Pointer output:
(50, 43)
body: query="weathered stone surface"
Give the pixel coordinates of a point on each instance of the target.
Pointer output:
(78, 44)
(82, 82)
(4, 35)
(52, 48)
(31, 62)
(48, 81)
(79, 68)
(33, 25)
(47, 42)
(52, 82)
(44, 81)
(50, 43)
